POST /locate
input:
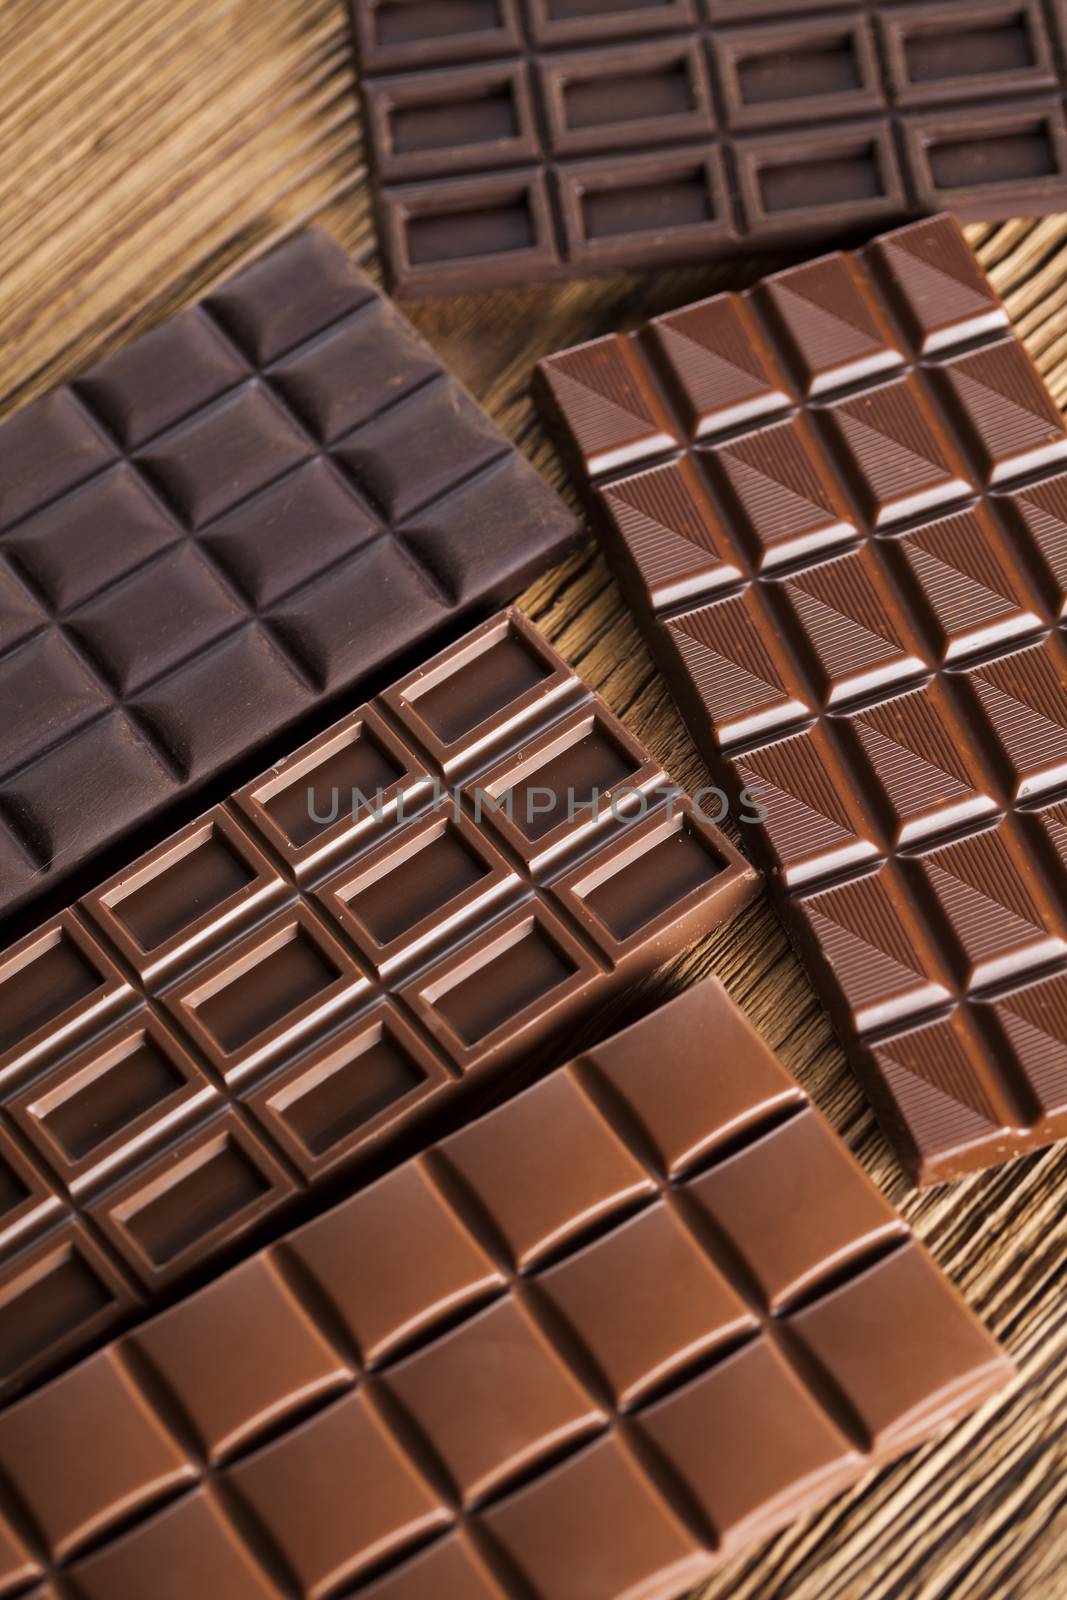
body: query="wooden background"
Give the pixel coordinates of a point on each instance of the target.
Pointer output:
(148, 147)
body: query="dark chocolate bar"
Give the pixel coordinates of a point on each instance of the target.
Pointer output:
(644, 1314)
(529, 140)
(297, 980)
(839, 505)
(210, 534)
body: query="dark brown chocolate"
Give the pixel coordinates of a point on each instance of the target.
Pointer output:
(644, 1314)
(213, 532)
(272, 996)
(528, 140)
(838, 504)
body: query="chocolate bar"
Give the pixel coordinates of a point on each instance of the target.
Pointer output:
(595, 1342)
(213, 532)
(296, 981)
(838, 503)
(532, 140)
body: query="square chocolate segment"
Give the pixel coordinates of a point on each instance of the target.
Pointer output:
(751, 1442)
(136, 1081)
(209, 880)
(935, 55)
(543, 1133)
(583, 772)
(480, 696)
(352, 1254)
(339, 1098)
(748, 1091)
(50, 983)
(344, 788)
(615, 1295)
(278, 1363)
(520, 979)
(420, 889)
(450, 1565)
(253, 1000)
(857, 598)
(339, 1495)
(649, 882)
(801, 1169)
(215, 1183)
(890, 1382)
(452, 1390)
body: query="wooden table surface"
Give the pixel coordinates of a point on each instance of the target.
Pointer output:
(148, 147)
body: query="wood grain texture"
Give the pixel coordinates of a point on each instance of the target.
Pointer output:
(148, 147)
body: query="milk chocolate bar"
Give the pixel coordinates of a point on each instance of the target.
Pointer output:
(838, 504)
(296, 981)
(529, 140)
(213, 532)
(644, 1314)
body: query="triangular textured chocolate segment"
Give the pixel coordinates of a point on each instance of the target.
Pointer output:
(670, 534)
(981, 892)
(612, 415)
(727, 661)
(805, 816)
(984, 861)
(866, 974)
(1025, 698)
(903, 460)
(1035, 1021)
(874, 959)
(936, 285)
(781, 495)
(1043, 509)
(828, 323)
(712, 353)
(936, 1083)
(965, 585)
(845, 618)
(864, 908)
(913, 754)
(1003, 405)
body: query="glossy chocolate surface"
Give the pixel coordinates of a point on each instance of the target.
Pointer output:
(216, 530)
(528, 140)
(838, 504)
(272, 996)
(595, 1342)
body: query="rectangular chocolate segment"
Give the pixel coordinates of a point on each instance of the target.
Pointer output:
(216, 530)
(605, 1336)
(530, 140)
(838, 504)
(447, 878)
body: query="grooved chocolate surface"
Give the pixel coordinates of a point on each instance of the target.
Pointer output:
(594, 1343)
(272, 996)
(526, 140)
(214, 531)
(839, 505)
